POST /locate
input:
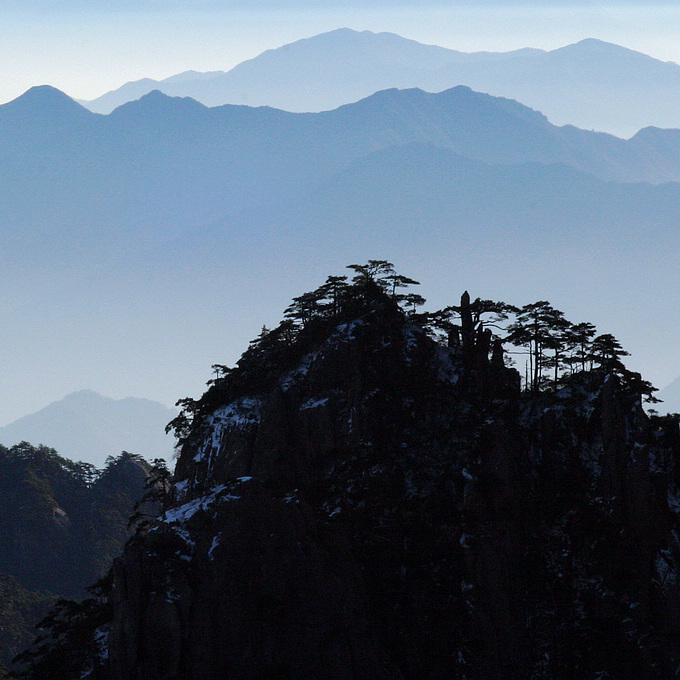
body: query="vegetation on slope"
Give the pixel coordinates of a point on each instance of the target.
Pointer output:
(483, 517)
(61, 525)
(555, 349)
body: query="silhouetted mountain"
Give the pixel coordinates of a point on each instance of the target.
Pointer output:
(174, 162)
(368, 493)
(160, 167)
(89, 427)
(591, 84)
(321, 72)
(42, 104)
(464, 203)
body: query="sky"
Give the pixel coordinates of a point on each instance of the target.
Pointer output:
(89, 48)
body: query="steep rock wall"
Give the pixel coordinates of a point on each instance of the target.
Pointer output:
(392, 508)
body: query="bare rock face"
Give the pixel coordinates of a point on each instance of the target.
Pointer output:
(386, 507)
(261, 593)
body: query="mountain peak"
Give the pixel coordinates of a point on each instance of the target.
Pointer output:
(83, 395)
(460, 98)
(45, 99)
(595, 43)
(377, 466)
(345, 34)
(590, 48)
(157, 102)
(86, 425)
(626, 90)
(43, 93)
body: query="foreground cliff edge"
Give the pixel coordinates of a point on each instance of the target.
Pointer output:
(372, 493)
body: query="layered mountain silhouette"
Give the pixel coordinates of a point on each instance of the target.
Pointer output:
(137, 244)
(157, 171)
(591, 84)
(175, 160)
(89, 427)
(368, 493)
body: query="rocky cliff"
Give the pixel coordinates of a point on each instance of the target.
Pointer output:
(360, 501)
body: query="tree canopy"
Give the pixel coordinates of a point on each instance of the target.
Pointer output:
(556, 350)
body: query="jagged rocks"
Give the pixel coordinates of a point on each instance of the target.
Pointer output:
(365, 384)
(381, 506)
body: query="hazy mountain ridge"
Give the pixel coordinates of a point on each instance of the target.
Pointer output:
(227, 156)
(89, 427)
(670, 397)
(337, 59)
(591, 84)
(169, 216)
(553, 204)
(369, 493)
(170, 164)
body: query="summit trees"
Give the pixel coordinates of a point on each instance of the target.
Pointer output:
(557, 350)
(542, 329)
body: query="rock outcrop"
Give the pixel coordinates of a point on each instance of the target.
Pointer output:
(380, 505)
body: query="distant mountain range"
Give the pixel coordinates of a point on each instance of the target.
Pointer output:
(161, 167)
(145, 245)
(670, 397)
(163, 158)
(88, 427)
(590, 84)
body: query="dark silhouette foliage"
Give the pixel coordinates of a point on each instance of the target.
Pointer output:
(557, 350)
(71, 638)
(484, 519)
(61, 525)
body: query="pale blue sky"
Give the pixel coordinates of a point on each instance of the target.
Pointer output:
(88, 48)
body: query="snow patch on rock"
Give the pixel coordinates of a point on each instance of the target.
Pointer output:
(183, 513)
(313, 403)
(215, 543)
(241, 413)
